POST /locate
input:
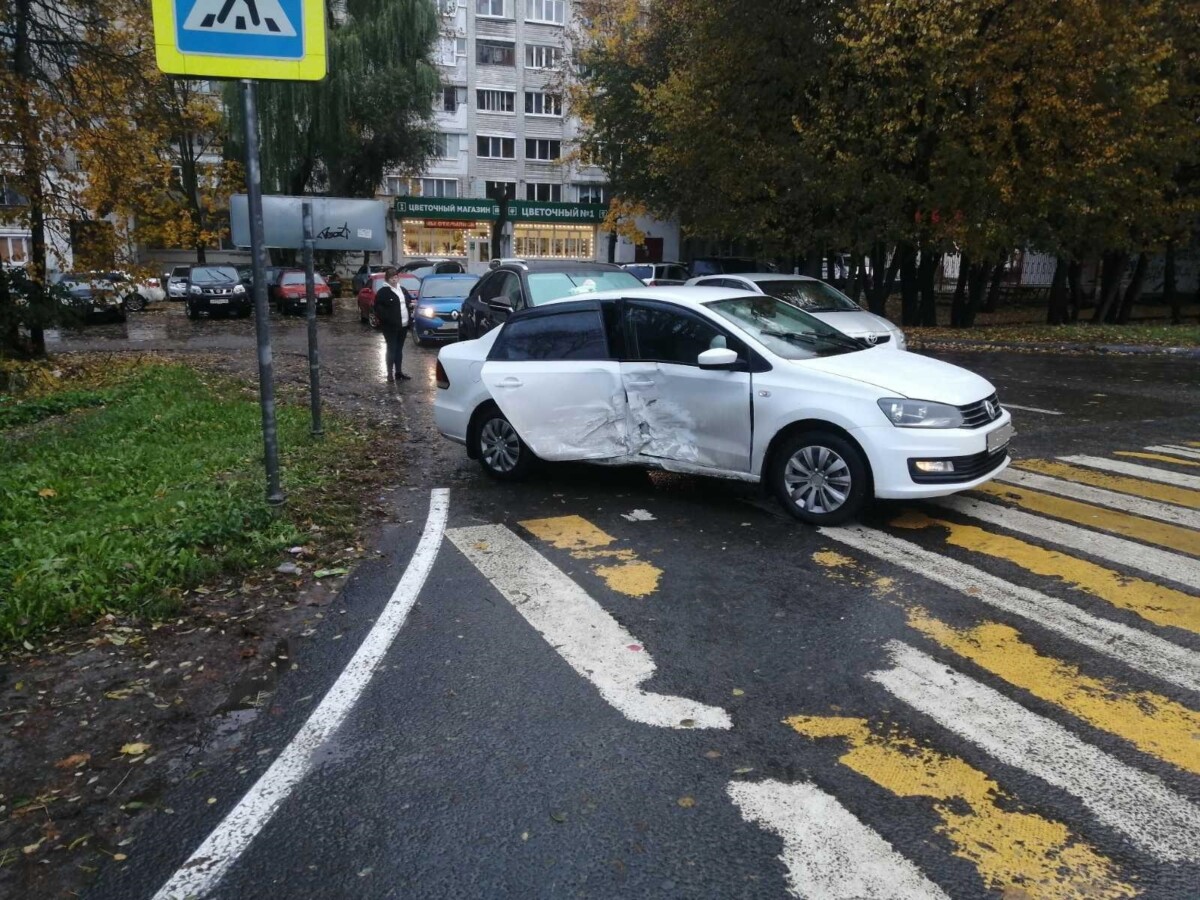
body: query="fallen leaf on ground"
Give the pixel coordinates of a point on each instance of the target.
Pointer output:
(713, 754)
(47, 493)
(738, 692)
(327, 573)
(74, 761)
(686, 802)
(559, 817)
(120, 857)
(135, 749)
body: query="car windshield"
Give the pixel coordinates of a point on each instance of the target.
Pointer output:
(642, 272)
(446, 288)
(214, 275)
(810, 296)
(783, 329)
(547, 286)
(298, 278)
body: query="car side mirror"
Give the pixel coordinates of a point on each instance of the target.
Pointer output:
(500, 304)
(717, 358)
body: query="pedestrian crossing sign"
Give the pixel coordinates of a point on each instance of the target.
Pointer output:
(261, 39)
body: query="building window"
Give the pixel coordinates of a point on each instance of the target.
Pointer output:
(488, 147)
(539, 103)
(543, 193)
(496, 101)
(491, 8)
(593, 193)
(494, 53)
(542, 148)
(553, 241)
(554, 11)
(494, 190)
(542, 56)
(438, 187)
(448, 146)
(447, 7)
(395, 186)
(451, 98)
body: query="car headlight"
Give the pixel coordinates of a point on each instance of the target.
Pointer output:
(194, 290)
(427, 312)
(920, 413)
(239, 289)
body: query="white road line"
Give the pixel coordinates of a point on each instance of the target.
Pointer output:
(1032, 409)
(591, 641)
(1152, 560)
(1133, 802)
(1173, 450)
(1137, 506)
(212, 859)
(1146, 473)
(1135, 648)
(829, 854)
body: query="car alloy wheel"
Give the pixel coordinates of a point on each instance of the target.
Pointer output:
(820, 478)
(499, 446)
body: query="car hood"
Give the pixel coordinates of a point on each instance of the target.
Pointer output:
(856, 323)
(905, 375)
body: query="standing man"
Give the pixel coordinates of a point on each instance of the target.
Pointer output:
(394, 319)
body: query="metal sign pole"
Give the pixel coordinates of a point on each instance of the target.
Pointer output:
(266, 378)
(314, 356)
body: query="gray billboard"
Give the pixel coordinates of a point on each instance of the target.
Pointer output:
(339, 223)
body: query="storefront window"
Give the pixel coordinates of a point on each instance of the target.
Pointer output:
(421, 240)
(553, 241)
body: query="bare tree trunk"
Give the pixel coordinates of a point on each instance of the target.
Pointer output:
(1170, 290)
(1112, 268)
(1133, 293)
(909, 299)
(856, 284)
(975, 290)
(958, 306)
(1057, 313)
(1075, 290)
(926, 271)
(993, 295)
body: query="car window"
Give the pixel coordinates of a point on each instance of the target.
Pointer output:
(811, 296)
(446, 287)
(504, 286)
(577, 335)
(547, 286)
(298, 278)
(448, 268)
(642, 272)
(214, 275)
(786, 330)
(676, 273)
(658, 333)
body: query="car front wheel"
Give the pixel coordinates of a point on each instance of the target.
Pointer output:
(502, 453)
(820, 478)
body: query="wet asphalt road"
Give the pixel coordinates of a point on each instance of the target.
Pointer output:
(988, 700)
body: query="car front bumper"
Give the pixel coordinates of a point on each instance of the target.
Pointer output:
(891, 452)
(236, 304)
(436, 329)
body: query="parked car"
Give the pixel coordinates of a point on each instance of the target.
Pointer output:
(511, 285)
(143, 292)
(217, 290)
(720, 265)
(290, 293)
(363, 275)
(658, 274)
(433, 267)
(438, 307)
(718, 381)
(177, 282)
(818, 299)
(95, 295)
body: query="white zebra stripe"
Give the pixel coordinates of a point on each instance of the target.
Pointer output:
(1172, 450)
(1137, 649)
(1152, 560)
(1146, 473)
(829, 854)
(1137, 506)
(1137, 804)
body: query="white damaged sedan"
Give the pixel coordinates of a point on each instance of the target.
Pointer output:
(715, 381)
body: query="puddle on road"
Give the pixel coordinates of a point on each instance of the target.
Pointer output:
(249, 697)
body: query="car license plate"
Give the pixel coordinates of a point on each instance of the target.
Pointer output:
(450, 326)
(214, 300)
(999, 438)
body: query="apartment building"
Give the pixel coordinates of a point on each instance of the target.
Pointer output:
(505, 129)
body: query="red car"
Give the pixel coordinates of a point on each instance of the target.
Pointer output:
(291, 296)
(366, 297)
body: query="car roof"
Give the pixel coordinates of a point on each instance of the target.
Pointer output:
(558, 265)
(762, 276)
(448, 276)
(692, 297)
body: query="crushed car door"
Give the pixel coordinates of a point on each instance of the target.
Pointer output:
(677, 410)
(551, 375)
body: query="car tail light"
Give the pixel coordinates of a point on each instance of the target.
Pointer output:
(443, 381)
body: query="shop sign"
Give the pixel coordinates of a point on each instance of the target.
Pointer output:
(448, 223)
(528, 211)
(446, 208)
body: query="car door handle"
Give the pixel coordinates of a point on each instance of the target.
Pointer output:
(639, 381)
(510, 382)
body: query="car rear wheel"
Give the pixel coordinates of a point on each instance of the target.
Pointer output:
(189, 310)
(135, 302)
(820, 478)
(502, 453)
